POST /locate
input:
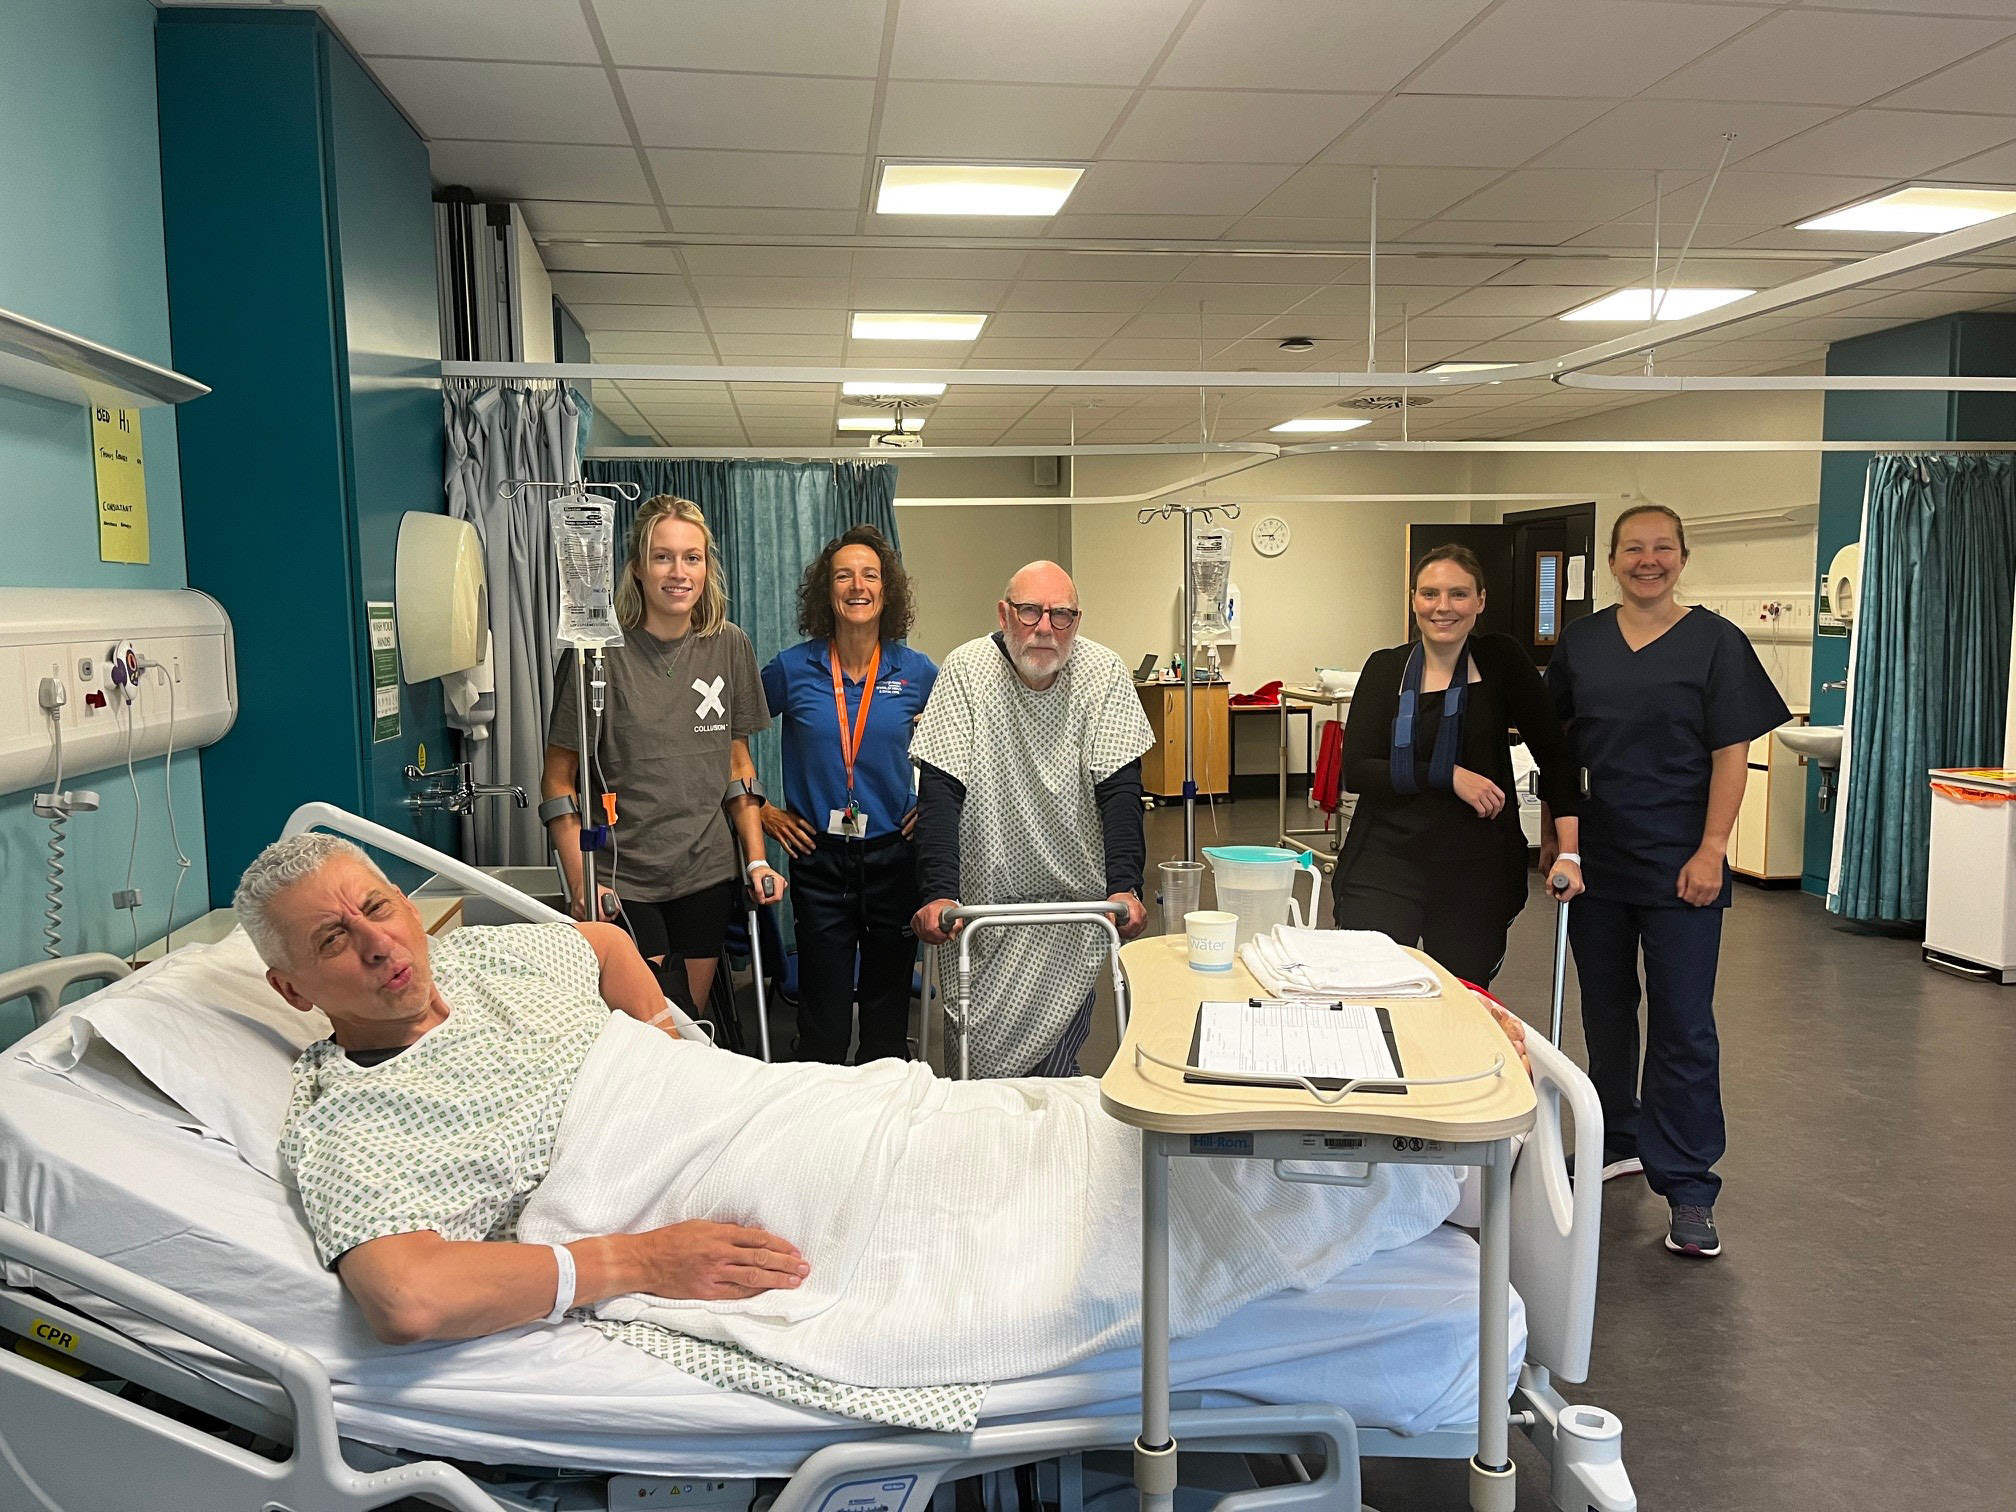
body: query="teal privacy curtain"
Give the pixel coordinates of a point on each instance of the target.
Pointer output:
(1931, 662)
(770, 519)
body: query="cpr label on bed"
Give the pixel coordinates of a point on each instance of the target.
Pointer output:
(870, 1495)
(52, 1337)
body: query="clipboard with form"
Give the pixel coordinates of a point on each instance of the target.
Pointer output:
(1324, 1043)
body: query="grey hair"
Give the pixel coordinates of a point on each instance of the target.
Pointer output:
(273, 871)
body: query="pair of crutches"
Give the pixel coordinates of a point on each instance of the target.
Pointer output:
(958, 1005)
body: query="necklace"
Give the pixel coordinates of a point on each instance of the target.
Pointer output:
(669, 666)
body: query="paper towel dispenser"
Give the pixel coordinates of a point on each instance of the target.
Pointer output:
(442, 598)
(1844, 582)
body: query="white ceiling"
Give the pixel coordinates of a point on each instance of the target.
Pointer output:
(699, 173)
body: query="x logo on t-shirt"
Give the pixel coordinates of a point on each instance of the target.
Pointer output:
(710, 697)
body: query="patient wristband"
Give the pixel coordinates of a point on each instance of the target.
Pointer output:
(563, 1293)
(1573, 857)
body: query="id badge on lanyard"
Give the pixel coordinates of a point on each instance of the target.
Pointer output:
(851, 822)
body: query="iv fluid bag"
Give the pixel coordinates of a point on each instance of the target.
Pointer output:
(1208, 581)
(584, 548)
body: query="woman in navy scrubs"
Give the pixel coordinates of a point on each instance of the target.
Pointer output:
(1435, 855)
(845, 699)
(1661, 702)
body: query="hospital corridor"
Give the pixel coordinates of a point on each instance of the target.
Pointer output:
(1007, 755)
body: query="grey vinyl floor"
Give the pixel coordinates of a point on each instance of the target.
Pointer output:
(1855, 1346)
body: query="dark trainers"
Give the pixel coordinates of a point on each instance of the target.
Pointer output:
(1624, 1165)
(1692, 1232)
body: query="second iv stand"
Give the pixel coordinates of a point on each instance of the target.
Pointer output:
(1189, 512)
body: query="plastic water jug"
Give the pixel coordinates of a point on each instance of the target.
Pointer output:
(1257, 883)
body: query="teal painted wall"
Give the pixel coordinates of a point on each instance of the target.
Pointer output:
(301, 269)
(81, 248)
(1955, 344)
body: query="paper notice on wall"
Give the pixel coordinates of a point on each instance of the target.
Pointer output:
(122, 484)
(1578, 578)
(384, 672)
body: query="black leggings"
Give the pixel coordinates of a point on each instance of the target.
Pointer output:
(1465, 934)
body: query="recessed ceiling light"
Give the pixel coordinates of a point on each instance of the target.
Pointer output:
(1674, 304)
(892, 390)
(1465, 367)
(1318, 423)
(1923, 208)
(871, 325)
(871, 422)
(973, 189)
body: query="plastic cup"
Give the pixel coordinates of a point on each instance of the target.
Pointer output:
(1208, 933)
(1182, 890)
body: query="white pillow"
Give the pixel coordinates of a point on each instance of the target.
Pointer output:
(205, 1029)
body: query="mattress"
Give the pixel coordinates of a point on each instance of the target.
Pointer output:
(1392, 1341)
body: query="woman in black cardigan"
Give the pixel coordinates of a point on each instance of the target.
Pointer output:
(1435, 856)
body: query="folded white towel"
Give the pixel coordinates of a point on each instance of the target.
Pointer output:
(1344, 963)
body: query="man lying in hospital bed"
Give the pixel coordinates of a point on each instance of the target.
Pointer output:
(483, 1143)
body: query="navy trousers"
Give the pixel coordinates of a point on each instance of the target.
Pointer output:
(853, 901)
(1671, 1117)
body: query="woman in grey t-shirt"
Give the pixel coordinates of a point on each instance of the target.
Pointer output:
(684, 697)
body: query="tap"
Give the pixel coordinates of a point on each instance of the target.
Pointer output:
(454, 790)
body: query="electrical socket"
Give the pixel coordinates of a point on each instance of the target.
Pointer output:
(126, 897)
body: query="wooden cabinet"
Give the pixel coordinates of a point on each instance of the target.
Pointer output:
(1162, 767)
(1770, 840)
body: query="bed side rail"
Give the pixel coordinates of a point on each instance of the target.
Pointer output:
(1556, 1221)
(44, 982)
(79, 1431)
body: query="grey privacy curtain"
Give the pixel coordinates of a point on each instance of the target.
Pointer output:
(1931, 663)
(498, 432)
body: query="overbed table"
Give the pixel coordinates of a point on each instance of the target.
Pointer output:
(1468, 1124)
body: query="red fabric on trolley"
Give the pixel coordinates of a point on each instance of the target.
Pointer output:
(1326, 784)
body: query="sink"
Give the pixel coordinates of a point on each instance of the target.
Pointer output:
(541, 882)
(1820, 744)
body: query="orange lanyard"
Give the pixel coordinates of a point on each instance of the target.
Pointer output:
(851, 747)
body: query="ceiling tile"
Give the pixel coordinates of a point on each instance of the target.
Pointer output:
(1149, 227)
(928, 293)
(726, 319)
(764, 112)
(643, 346)
(1315, 230)
(1059, 295)
(1996, 166)
(627, 317)
(1228, 267)
(1336, 44)
(1826, 58)
(511, 170)
(1234, 298)
(1529, 300)
(565, 217)
(505, 102)
(794, 179)
(1752, 194)
(1559, 47)
(1129, 267)
(770, 293)
(1679, 134)
(574, 257)
(757, 221)
(1235, 126)
(922, 262)
(1459, 131)
(733, 347)
(771, 262)
(1491, 233)
(1176, 188)
(1335, 189)
(1219, 325)
(1561, 194)
(989, 122)
(1981, 83)
(1008, 350)
(1032, 41)
(622, 288)
(761, 36)
(545, 31)
(1899, 142)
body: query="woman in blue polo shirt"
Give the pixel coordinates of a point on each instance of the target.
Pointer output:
(848, 812)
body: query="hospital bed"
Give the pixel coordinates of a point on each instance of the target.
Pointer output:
(180, 1347)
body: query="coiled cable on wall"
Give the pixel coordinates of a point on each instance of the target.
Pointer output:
(59, 819)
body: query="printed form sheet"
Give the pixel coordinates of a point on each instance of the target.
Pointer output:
(1321, 1041)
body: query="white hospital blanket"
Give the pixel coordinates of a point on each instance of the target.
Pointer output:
(956, 1231)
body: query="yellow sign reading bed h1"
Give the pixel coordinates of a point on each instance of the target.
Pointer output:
(122, 484)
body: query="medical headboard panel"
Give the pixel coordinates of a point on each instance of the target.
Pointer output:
(67, 634)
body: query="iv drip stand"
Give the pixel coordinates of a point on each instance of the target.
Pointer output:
(586, 690)
(1189, 512)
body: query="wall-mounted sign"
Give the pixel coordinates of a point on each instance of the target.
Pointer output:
(122, 484)
(384, 671)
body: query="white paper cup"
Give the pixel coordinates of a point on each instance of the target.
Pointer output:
(1209, 934)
